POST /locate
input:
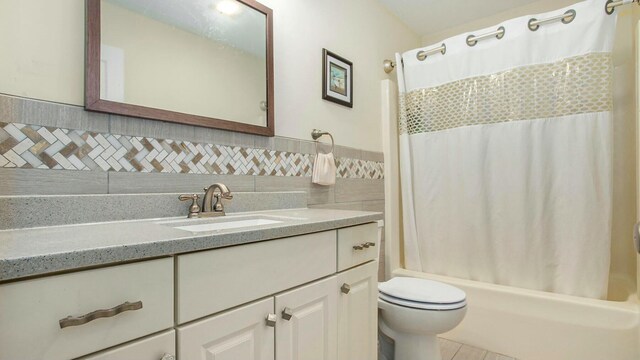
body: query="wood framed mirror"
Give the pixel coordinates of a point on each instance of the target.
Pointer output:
(199, 62)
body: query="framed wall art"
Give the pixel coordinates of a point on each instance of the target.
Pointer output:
(337, 79)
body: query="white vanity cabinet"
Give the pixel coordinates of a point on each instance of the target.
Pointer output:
(308, 313)
(306, 297)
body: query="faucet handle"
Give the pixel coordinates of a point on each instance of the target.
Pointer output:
(217, 205)
(194, 209)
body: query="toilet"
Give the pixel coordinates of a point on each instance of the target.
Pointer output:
(414, 311)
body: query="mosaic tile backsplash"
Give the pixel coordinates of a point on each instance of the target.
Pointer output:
(40, 147)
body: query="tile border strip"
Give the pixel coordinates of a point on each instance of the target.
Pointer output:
(52, 148)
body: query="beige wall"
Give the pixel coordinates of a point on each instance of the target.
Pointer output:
(42, 46)
(173, 69)
(623, 258)
(362, 31)
(43, 58)
(637, 53)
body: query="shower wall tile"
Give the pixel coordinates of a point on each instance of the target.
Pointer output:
(349, 190)
(7, 105)
(264, 142)
(138, 183)
(286, 144)
(347, 152)
(356, 205)
(223, 137)
(51, 182)
(372, 156)
(49, 114)
(316, 194)
(308, 147)
(311, 147)
(125, 125)
(373, 205)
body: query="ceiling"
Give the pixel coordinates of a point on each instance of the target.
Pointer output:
(431, 16)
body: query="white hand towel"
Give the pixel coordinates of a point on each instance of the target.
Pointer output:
(324, 170)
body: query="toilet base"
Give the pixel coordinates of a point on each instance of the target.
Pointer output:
(413, 346)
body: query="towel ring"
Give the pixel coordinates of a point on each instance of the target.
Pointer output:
(316, 134)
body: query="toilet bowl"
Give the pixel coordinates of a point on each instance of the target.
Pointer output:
(414, 311)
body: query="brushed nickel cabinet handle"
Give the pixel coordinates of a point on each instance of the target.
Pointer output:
(271, 320)
(345, 288)
(168, 357)
(366, 245)
(287, 314)
(103, 313)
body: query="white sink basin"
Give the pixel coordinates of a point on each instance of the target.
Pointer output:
(226, 222)
(226, 225)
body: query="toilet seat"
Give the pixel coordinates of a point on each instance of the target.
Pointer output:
(421, 294)
(421, 306)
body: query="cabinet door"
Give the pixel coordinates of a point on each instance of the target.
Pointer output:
(240, 334)
(358, 312)
(307, 322)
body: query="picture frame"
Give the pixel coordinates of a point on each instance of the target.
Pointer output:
(337, 79)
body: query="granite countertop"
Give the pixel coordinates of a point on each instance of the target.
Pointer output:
(43, 250)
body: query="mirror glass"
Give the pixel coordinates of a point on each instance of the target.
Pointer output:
(200, 57)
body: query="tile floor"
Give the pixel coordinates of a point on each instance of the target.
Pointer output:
(455, 351)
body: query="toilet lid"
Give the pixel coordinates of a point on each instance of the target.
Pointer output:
(421, 291)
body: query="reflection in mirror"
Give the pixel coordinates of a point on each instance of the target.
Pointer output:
(201, 57)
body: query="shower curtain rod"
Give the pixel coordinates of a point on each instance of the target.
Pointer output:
(533, 24)
(611, 5)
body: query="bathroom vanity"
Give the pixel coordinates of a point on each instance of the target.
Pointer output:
(285, 284)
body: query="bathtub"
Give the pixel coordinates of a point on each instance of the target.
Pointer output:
(536, 325)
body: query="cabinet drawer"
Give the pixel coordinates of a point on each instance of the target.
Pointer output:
(351, 239)
(32, 309)
(215, 280)
(152, 348)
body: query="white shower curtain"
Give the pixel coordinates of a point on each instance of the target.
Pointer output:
(506, 155)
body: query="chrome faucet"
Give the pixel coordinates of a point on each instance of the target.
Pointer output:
(211, 208)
